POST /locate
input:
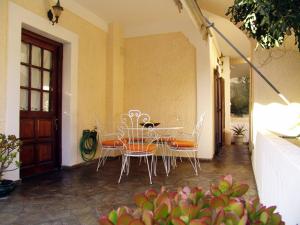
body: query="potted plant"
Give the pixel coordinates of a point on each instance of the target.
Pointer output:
(239, 134)
(222, 204)
(9, 149)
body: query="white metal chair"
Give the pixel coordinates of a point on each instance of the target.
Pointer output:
(109, 145)
(138, 141)
(187, 145)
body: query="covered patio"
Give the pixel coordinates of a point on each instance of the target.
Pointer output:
(80, 195)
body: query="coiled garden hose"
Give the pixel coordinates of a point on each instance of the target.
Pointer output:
(88, 144)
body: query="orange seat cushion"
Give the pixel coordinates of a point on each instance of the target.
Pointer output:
(183, 144)
(140, 148)
(166, 139)
(112, 143)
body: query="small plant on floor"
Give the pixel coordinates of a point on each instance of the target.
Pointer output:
(239, 130)
(222, 204)
(239, 134)
(9, 149)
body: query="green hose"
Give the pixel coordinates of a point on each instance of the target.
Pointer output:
(88, 144)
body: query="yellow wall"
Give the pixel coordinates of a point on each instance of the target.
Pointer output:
(283, 70)
(3, 51)
(115, 77)
(160, 77)
(91, 62)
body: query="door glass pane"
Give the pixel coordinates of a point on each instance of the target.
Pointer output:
(46, 102)
(35, 78)
(25, 53)
(24, 76)
(35, 101)
(36, 56)
(23, 99)
(47, 59)
(46, 80)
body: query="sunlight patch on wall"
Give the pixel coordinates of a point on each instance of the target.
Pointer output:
(279, 118)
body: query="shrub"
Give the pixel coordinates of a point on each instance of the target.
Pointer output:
(222, 204)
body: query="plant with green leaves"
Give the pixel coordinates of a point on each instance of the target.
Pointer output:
(239, 130)
(9, 149)
(267, 21)
(222, 204)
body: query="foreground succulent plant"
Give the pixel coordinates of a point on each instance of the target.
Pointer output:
(222, 204)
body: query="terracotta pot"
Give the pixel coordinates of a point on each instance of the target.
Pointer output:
(6, 186)
(239, 139)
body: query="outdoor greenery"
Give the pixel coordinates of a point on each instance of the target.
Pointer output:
(9, 148)
(222, 204)
(267, 21)
(239, 96)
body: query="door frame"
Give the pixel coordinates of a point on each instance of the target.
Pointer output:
(19, 18)
(59, 76)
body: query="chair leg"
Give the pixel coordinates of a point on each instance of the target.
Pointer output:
(124, 162)
(149, 170)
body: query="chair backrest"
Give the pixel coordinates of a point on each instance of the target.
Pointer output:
(198, 128)
(133, 132)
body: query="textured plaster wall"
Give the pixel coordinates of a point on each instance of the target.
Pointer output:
(91, 62)
(3, 61)
(115, 77)
(283, 70)
(160, 77)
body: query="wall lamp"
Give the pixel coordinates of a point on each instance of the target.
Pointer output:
(57, 9)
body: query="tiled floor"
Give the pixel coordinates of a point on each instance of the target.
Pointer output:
(76, 196)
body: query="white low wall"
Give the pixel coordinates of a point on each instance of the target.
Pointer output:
(276, 164)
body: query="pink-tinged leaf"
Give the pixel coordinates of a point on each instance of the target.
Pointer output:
(223, 186)
(239, 190)
(140, 199)
(136, 222)
(225, 199)
(161, 198)
(215, 190)
(185, 219)
(220, 217)
(186, 190)
(217, 202)
(236, 207)
(271, 209)
(176, 212)
(202, 221)
(161, 212)
(231, 218)
(122, 210)
(148, 205)
(151, 194)
(243, 221)
(229, 179)
(177, 221)
(147, 217)
(113, 216)
(105, 221)
(193, 211)
(124, 219)
(264, 217)
(276, 219)
(205, 213)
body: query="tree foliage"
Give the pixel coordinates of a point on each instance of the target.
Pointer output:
(240, 96)
(267, 21)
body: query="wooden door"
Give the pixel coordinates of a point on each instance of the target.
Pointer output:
(219, 111)
(40, 104)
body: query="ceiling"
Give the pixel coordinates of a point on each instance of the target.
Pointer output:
(133, 13)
